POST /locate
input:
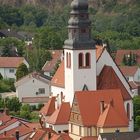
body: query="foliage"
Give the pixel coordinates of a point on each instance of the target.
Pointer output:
(22, 70)
(1, 77)
(40, 106)
(136, 102)
(9, 46)
(7, 85)
(25, 111)
(12, 104)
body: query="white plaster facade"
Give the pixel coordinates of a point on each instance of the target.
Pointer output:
(30, 87)
(75, 77)
(7, 72)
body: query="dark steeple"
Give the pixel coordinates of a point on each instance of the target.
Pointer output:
(79, 27)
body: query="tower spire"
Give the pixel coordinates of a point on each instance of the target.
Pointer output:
(79, 27)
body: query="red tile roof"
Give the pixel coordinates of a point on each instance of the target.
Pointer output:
(10, 62)
(99, 51)
(58, 78)
(120, 54)
(133, 85)
(60, 115)
(89, 106)
(49, 107)
(62, 136)
(56, 55)
(4, 118)
(128, 70)
(22, 128)
(35, 99)
(109, 80)
(8, 138)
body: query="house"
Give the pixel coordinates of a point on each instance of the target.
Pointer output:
(120, 54)
(9, 65)
(120, 136)
(132, 74)
(87, 75)
(49, 66)
(33, 88)
(106, 107)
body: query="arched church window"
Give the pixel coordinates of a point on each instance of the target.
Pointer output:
(128, 110)
(87, 59)
(81, 64)
(69, 61)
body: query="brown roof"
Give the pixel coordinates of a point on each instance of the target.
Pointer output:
(56, 55)
(60, 115)
(128, 70)
(133, 85)
(58, 78)
(120, 54)
(49, 107)
(62, 136)
(109, 80)
(35, 99)
(89, 105)
(4, 118)
(10, 62)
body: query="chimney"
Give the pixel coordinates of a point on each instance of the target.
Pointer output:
(102, 107)
(17, 134)
(49, 135)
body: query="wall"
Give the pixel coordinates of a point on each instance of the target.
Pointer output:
(137, 76)
(30, 87)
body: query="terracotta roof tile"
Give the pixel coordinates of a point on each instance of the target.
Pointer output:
(120, 54)
(56, 55)
(60, 115)
(8, 138)
(49, 107)
(99, 51)
(58, 78)
(4, 118)
(10, 62)
(62, 136)
(89, 106)
(128, 70)
(111, 81)
(22, 128)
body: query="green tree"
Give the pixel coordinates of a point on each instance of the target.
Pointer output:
(22, 70)
(1, 77)
(25, 111)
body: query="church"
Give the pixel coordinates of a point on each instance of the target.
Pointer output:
(88, 78)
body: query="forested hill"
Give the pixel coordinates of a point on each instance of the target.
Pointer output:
(55, 3)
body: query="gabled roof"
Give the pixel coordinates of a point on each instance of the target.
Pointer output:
(36, 75)
(22, 128)
(128, 70)
(49, 65)
(89, 107)
(49, 107)
(120, 54)
(10, 62)
(108, 79)
(133, 85)
(58, 78)
(60, 115)
(62, 136)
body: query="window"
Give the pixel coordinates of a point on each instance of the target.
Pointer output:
(79, 130)
(128, 110)
(80, 60)
(68, 60)
(41, 91)
(11, 70)
(71, 128)
(87, 59)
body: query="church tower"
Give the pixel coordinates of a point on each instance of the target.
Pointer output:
(79, 51)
